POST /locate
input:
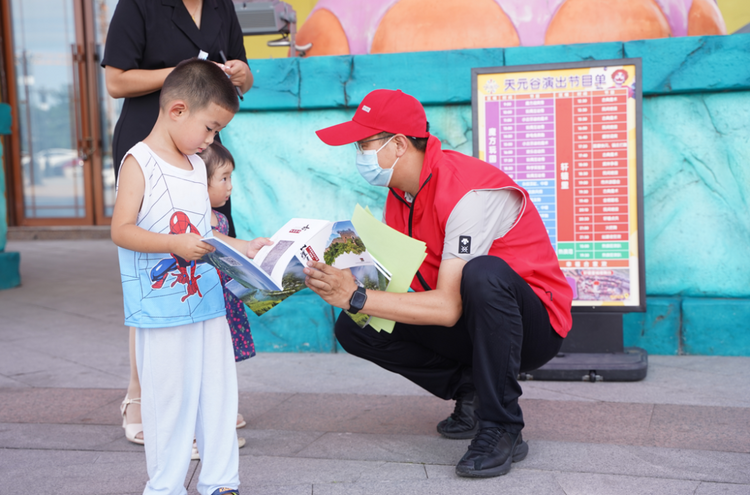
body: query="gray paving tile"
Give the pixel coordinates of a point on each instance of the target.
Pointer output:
(255, 470)
(73, 472)
(714, 365)
(543, 391)
(60, 406)
(706, 488)
(515, 482)
(648, 462)
(66, 437)
(276, 442)
(9, 382)
(254, 405)
(76, 369)
(669, 381)
(16, 360)
(595, 422)
(594, 484)
(321, 373)
(71, 375)
(390, 448)
(721, 428)
(91, 366)
(333, 423)
(385, 414)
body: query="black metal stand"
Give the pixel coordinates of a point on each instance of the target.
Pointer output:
(593, 351)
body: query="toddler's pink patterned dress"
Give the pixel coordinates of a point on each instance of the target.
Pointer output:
(242, 339)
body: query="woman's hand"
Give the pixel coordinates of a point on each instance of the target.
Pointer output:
(239, 73)
(333, 285)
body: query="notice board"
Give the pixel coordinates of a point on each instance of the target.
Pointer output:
(570, 134)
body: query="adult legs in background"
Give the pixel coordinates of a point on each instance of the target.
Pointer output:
(131, 406)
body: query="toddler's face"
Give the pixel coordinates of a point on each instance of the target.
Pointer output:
(220, 185)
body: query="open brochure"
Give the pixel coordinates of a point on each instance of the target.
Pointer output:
(379, 257)
(276, 271)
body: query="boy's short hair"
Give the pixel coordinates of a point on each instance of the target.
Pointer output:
(199, 83)
(214, 157)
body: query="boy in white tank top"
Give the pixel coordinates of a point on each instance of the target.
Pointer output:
(183, 347)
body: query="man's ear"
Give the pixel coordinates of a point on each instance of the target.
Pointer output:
(402, 143)
(177, 109)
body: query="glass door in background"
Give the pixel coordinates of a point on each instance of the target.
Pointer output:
(53, 183)
(63, 175)
(107, 112)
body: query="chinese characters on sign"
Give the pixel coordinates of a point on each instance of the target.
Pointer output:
(567, 136)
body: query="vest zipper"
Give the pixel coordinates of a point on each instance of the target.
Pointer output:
(422, 281)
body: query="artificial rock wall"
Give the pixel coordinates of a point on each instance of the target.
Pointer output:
(696, 132)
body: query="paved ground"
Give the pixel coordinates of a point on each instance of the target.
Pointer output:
(332, 424)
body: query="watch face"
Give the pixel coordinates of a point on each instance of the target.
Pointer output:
(358, 300)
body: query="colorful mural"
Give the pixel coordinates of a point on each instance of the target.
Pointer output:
(341, 27)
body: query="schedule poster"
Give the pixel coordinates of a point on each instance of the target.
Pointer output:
(570, 134)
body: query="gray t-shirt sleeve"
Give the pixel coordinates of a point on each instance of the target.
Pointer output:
(478, 219)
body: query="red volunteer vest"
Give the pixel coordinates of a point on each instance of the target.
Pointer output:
(446, 177)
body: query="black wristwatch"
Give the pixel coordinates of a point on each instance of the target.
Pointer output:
(357, 301)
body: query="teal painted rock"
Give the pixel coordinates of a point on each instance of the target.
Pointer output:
(5, 122)
(716, 326)
(697, 194)
(658, 329)
(284, 171)
(275, 85)
(562, 53)
(437, 78)
(323, 81)
(301, 323)
(672, 65)
(10, 276)
(3, 206)
(693, 63)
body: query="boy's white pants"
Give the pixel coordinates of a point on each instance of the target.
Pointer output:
(188, 386)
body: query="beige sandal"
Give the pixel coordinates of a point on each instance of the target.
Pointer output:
(132, 429)
(241, 423)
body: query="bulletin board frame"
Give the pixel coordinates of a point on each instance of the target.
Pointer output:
(601, 284)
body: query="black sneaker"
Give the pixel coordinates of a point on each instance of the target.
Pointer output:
(461, 424)
(491, 453)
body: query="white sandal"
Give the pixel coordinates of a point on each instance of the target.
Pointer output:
(132, 429)
(241, 423)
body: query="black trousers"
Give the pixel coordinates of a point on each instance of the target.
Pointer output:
(504, 330)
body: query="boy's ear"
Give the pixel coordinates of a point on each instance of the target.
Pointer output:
(177, 109)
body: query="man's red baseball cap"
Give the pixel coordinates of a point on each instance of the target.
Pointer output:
(382, 110)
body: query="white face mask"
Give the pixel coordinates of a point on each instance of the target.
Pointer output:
(369, 168)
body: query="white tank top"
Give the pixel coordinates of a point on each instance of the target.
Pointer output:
(162, 289)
